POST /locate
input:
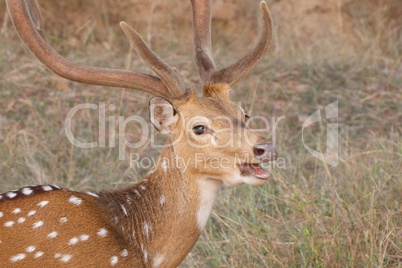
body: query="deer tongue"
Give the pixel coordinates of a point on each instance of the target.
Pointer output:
(255, 170)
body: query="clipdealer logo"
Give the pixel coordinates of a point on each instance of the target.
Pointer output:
(330, 156)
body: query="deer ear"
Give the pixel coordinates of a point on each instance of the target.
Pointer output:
(163, 114)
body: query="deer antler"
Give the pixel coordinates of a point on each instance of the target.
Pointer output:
(202, 41)
(28, 22)
(164, 71)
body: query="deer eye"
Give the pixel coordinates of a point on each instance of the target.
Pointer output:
(199, 130)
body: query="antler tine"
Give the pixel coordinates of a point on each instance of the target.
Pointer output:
(171, 79)
(205, 63)
(28, 23)
(234, 72)
(202, 38)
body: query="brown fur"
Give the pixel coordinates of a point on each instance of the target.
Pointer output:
(217, 90)
(154, 220)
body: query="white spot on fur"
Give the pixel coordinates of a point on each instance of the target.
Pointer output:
(30, 249)
(137, 193)
(124, 209)
(63, 257)
(75, 200)
(143, 187)
(208, 190)
(16, 211)
(73, 241)
(102, 232)
(31, 213)
(162, 200)
(66, 258)
(84, 237)
(147, 229)
(11, 195)
(9, 224)
(63, 220)
(37, 224)
(38, 254)
(18, 257)
(21, 220)
(52, 235)
(124, 253)
(158, 260)
(47, 188)
(93, 194)
(27, 191)
(43, 203)
(114, 260)
(164, 165)
(146, 255)
(1, 214)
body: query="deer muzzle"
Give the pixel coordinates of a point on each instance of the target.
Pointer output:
(265, 152)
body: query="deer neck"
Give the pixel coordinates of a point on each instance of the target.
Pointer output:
(164, 214)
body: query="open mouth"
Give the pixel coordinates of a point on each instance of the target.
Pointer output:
(254, 170)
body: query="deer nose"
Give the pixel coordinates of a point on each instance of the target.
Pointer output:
(265, 152)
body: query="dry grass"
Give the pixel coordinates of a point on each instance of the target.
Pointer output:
(308, 214)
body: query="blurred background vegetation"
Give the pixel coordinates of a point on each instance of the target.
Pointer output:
(308, 214)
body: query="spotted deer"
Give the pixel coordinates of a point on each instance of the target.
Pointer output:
(157, 221)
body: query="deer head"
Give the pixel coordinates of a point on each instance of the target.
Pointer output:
(215, 143)
(218, 128)
(207, 131)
